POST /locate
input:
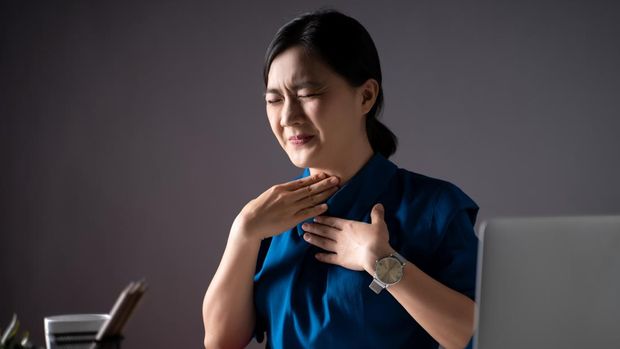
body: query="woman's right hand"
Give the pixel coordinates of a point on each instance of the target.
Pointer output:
(283, 206)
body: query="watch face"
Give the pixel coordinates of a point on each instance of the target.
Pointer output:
(389, 270)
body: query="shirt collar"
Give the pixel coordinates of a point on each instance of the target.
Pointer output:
(355, 198)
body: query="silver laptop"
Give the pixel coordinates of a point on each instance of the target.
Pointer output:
(548, 282)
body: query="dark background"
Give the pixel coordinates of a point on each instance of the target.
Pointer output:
(133, 132)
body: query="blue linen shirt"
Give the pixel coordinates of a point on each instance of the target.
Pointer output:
(301, 302)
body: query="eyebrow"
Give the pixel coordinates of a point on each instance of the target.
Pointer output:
(297, 86)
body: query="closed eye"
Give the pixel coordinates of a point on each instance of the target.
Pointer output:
(273, 101)
(309, 95)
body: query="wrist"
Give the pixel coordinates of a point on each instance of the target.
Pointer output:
(374, 254)
(240, 234)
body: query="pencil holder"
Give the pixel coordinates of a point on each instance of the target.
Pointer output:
(77, 331)
(108, 343)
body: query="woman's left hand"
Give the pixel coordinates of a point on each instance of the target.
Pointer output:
(354, 245)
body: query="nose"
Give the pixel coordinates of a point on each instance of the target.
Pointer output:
(291, 113)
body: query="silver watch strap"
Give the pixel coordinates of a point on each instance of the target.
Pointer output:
(400, 258)
(376, 285)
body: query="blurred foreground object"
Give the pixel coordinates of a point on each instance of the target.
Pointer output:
(94, 331)
(8, 338)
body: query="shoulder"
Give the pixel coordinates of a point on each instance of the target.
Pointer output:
(441, 198)
(419, 181)
(434, 188)
(426, 207)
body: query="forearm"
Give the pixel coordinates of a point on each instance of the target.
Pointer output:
(228, 307)
(447, 315)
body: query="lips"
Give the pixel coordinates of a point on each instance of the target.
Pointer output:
(300, 137)
(300, 140)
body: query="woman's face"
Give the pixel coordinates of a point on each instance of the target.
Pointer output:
(305, 97)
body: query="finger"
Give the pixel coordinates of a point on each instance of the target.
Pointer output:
(377, 214)
(309, 212)
(320, 229)
(319, 241)
(314, 188)
(317, 198)
(334, 222)
(305, 181)
(330, 258)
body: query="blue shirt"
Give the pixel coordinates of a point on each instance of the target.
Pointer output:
(301, 302)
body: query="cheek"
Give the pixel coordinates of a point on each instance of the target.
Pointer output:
(272, 114)
(274, 123)
(338, 114)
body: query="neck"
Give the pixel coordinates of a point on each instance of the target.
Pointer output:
(346, 166)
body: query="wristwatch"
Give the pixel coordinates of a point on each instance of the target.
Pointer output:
(388, 271)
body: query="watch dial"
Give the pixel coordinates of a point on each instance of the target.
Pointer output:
(389, 270)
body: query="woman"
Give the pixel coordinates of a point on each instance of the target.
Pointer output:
(355, 252)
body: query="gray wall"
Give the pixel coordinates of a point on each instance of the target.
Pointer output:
(131, 134)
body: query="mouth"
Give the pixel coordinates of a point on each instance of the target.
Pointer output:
(300, 139)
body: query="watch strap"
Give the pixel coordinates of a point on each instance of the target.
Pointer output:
(400, 258)
(377, 286)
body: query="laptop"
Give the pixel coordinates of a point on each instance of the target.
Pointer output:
(548, 282)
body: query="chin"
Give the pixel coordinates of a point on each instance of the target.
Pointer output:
(300, 161)
(303, 158)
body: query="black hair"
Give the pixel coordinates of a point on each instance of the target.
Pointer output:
(346, 46)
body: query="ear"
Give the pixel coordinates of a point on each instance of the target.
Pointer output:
(369, 92)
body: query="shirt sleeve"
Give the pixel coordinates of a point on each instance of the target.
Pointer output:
(456, 250)
(260, 323)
